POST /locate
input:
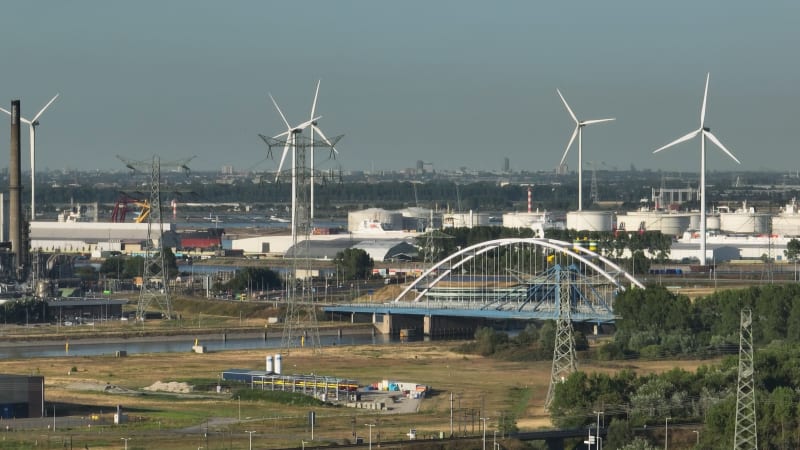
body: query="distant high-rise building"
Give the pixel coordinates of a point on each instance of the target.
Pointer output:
(227, 170)
(420, 165)
(506, 165)
(562, 169)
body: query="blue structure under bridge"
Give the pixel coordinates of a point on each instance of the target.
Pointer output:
(504, 279)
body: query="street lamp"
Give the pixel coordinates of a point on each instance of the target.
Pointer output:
(126, 442)
(484, 419)
(370, 425)
(251, 438)
(697, 433)
(303, 444)
(666, 433)
(597, 430)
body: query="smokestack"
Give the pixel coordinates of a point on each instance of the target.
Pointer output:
(15, 188)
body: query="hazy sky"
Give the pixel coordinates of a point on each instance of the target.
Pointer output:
(456, 83)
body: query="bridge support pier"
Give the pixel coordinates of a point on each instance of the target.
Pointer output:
(382, 323)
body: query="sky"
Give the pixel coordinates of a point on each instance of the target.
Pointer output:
(457, 83)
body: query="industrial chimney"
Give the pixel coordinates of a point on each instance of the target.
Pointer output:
(14, 187)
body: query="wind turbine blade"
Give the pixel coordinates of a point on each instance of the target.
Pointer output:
(680, 139)
(279, 111)
(324, 138)
(36, 117)
(283, 157)
(314, 105)
(705, 99)
(285, 133)
(21, 119)
(569, 110)
(571, 140)
(593, 121)
(719, 144)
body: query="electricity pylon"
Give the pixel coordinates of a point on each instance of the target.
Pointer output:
(564, 361)
(155, 276)
(300, 318)
(745, 436)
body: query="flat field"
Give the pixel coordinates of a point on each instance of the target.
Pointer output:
(88, 389)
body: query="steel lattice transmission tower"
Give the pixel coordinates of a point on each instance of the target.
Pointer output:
(745, 436)
(564, 361)
(155, 275)
(300, 323)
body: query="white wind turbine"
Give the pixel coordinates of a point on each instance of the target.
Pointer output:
(579, 124)
(290, 135)
(32, 124)
(705, 132)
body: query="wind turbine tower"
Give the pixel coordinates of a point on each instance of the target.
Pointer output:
(704, 133)
(32, 124)
(300, 316)
(579, 124)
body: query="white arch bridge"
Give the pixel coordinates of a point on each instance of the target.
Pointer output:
(506, 279)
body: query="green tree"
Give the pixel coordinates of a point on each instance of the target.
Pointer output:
(133, 267)
(253, 278)
(354, 264)
(619, 434)
(792, 251)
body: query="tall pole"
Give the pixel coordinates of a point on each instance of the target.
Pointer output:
(484, 419)
(702, 198)
(580, 168)
(451, 414)
(597, 442)
(15, 189)
(126, 442)
(666, 433)
(251, 438)
(370, 425)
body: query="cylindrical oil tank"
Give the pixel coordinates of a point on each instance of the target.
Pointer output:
(523, 219)
(745, 222)
(590, 220)
(374, 219)
(416, 218)
(671, 224)
(465, 219)
(270, 367)
(712, 222)
(694, 220)
(278, 364)
(786, 225)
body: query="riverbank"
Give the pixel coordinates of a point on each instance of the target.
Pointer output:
(17, 335)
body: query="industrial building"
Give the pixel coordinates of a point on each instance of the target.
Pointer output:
(21, 396)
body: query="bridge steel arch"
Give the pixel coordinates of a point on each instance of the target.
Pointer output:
(454, 283)
(463, 256)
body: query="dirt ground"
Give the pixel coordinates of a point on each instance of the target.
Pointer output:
(155, 390)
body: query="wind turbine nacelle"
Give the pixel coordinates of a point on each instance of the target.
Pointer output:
(706, 129)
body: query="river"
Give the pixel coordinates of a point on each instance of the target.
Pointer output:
(166, 344)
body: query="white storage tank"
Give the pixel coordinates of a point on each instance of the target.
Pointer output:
(278, 364)
(590, 220)
(270, 367)
(787, 223)
(374, 219)
(465, 219)
(666, 223)
(712, 222)
(745, 222)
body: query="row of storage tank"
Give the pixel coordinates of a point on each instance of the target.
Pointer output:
(742, 221)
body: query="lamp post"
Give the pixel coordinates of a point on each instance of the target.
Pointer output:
(666, 433)
(484, 419)
(597, 430)
(126, 442)
(303, 444)
(370, 425)
(697, 434)
(251, 438)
